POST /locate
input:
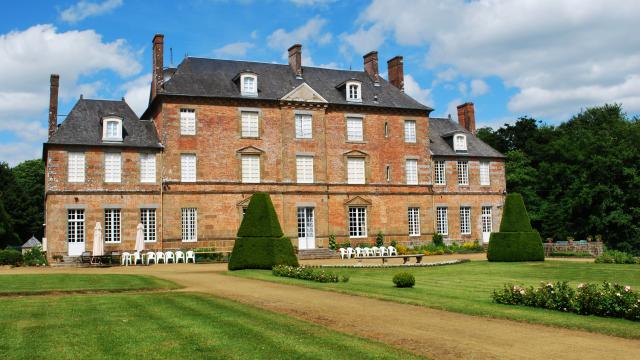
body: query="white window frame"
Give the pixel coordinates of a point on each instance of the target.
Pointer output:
(356, 170)
(411, 171)
(487, 219)
(304, 169)
(189, 221)
(187, 121)
(304, 126)
(75, 167)
(357, 222)
(440, 172)
(353, 91)
(459, 142)
(75, 225)
(112, 226)
(250, 124)
(251, 90)
(442, 220)
(355, 129)
(112, 167)
(465, 220)
(147, 168)
(250, 168)
(188, 167)
(463, 172)
(410, 131)
(148, 221)
(106, 136)
(413, 220)
(485, 173)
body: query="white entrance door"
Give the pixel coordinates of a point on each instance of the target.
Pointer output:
(487, 224)
(306, 228)
(75, 232)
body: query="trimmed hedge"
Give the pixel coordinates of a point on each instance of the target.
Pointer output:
(10, 257)
(515, 246)
(260, 219)
(514, 215)
(404, 280)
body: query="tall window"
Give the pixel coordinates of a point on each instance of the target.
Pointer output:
(112, 225)
(387, 172)
(487, 223)
(188, 168)
(112, 129)
(112, 167)
(358, 222)
(353, 91)
(442, 221)
(355, 171)
(386, 129)
(412, 171)
(249, 85)
(249, 124)
(354, 129)
(303, 126)
(304, 169)
(189, 224)
(485, 178)
(148, 168)
(148, 221)
(460, 143)
(250, 168)
(465, 220)
(440, 172)
(410, 131)
(75, 225)
(75, 167)
(463, 173)
(187, 122)
(414, 221)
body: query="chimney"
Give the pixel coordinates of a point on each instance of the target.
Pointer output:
(467, 117)
(395, 68)
(295, 59)
(158, 64)
(53, 104)
(371, 66)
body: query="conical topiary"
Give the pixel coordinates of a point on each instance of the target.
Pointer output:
(260, 243)
(516, 241)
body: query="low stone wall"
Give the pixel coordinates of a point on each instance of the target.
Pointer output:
(594, 248)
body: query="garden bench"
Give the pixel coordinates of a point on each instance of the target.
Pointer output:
(405, 258)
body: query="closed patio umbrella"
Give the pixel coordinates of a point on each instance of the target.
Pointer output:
(139, 239)
(98, 244)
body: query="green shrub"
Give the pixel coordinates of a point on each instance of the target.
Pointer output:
(332, 242)
(305, 273)
(523, 246)
(394, 243)
(616, 257)
(571, 254)
(514, 215)
(10, 257)
(380, 239)
(404, 280)
(260, 243)
(437, 240)
(211, 257)
(35, 257)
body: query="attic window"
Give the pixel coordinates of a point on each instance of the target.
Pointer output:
(112, 129)
(460, 143)
(354, 91)
(248, 84)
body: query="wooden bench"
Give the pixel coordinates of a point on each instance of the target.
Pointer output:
(405, 258)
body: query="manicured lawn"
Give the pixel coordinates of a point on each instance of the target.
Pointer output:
(46, 283)
(466, 288)
(166, 325)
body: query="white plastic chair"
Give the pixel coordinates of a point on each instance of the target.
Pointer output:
(375, 251)
(190, 255)
(169, 256)
(179, 255)
(137, 257)
(366, 252)
(126, 258)
(383, 251)
(151, 256)
(160, 256)
(358, 252)
(392, 251)
(343, 253)
(350, 252)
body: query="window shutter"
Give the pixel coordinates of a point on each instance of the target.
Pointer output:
(249, 124)
(112, 167)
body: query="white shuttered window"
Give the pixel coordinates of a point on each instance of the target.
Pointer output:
(76, 167)
(303, 126)
(463, 173)
(410, 131)
(354, 129)
(187, 122)
(188, 167)
(148, 168)
(440, 174)
(189, 224)
(355, 171)
(485, 178)
(411, 168)
(250, 168)
(304, 169)
(249, 124)
(112, 167)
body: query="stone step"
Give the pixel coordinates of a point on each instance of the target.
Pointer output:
(316, 254)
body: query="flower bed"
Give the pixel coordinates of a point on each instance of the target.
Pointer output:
(433, 249)
(617, 257)
(607, 300)
(304, 273)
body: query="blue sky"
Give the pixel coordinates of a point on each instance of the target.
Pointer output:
(546, 59)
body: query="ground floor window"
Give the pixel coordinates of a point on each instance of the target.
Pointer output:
(148, 221)
(465, 220)
(442, 221)
(305, 222)
(189, 224)
(75, 225)
(357, 221)
(414, 221)
(487, 223)
(112, 225)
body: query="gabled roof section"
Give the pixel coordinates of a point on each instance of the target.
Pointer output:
(304, 93)
(358, 201)
(250, 150)
(83, 126)
(441, 129)
(31, 243)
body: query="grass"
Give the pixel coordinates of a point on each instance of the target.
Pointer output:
(54, 283)
(167, 325)
(466, 288)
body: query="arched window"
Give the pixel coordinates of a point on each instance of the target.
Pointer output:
(249, 84)
(460, 142)
(354, 91)
(112, 129)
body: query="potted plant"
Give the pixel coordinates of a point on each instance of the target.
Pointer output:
(58, 258)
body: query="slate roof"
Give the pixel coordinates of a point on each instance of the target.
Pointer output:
(442, 128)
(83, 125)
(214, 78)
(31, 243)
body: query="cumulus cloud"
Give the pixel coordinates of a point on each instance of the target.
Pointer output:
(413, 89)
(310, 32)
(233, 50)
(84, 9)
(479, 87)
(136, 93)
(363, 40)
(312, 2)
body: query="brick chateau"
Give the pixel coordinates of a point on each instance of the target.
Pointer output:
(340, 152)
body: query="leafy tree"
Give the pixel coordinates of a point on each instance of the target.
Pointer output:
(28, 210)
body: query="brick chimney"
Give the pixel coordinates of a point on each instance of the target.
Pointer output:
(467, 117)
(395, 69)
(158, 64)
(295, 59)
(371, 65)
(53, 104)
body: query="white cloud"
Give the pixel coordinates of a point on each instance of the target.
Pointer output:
(452, 109)
(363, 40)
(575, 54)
(310, 32)
(84, 9)
(312, 2)
(413, 89)
(233, 50)
(479, 87)
(137, 93)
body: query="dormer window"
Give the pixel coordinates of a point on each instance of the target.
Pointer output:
(112, 129)
(248, 84)
(354, 91)
(460, 143)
